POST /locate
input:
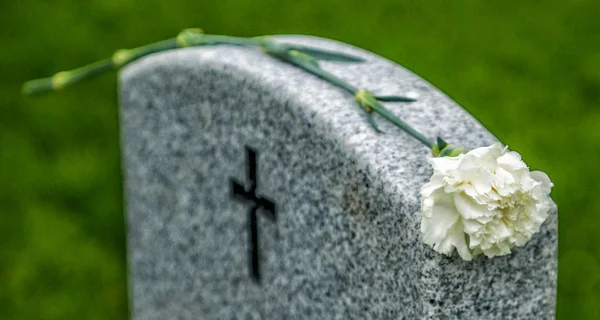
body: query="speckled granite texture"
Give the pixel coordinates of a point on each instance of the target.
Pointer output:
(346, 242)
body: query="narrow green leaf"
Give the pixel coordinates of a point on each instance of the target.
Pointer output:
(37, 86)
(327, 55)
(441, 143)
(313, 67)
(395, 99)
(379, 108)
(304, 58)
(372, 122)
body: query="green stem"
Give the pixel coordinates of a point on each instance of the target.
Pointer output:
(125, 56)
(236, 41)
(370, 103)
(154, 47)
(65, 78)
(365, 98)
(404, 126)
(119, 59)
(316, 70)
(298, 56)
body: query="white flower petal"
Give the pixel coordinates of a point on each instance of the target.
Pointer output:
(468, 208)
(456, 237)
(503, 177)
(511, 161)
(472, 226)
(445, 164)
(430, 187)
(443, 217)
(487, 153)
(482, 183)
(544, 179)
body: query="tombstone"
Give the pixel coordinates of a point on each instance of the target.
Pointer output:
(256, 190)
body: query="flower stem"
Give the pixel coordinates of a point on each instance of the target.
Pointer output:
(65, 78)
(364, 97)
(310, 65)
(305, 58)
(403, 125)
(120, 58)
(125, 56)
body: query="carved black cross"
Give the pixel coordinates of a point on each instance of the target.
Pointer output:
(247, 193)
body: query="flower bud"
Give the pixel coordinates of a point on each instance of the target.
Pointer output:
(121, 57)
(60, 80)
(443, 149)
(189, 37)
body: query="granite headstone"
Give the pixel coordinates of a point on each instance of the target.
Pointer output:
(256, 190)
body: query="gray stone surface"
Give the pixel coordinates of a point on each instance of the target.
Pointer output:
(345, 243)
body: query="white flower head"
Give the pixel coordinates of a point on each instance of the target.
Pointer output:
(483, 201)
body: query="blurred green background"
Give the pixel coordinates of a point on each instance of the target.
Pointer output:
(529, 70)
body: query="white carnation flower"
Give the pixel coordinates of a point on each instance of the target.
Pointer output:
(485, 201)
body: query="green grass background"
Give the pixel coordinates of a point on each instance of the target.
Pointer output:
(529, 70)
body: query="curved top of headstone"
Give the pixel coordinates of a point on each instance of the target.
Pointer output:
(348, 196)
(396, 155)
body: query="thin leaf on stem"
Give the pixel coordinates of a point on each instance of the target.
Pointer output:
(395, 99)
(326, 55)
(372, 122)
